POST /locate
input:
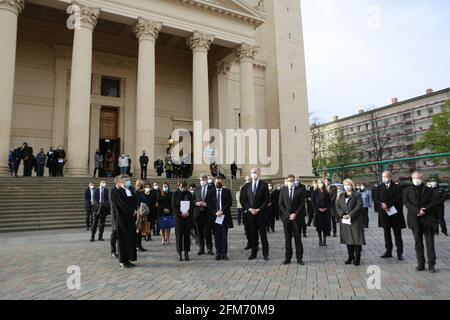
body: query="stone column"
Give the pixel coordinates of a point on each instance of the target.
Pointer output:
(200, 44)
(80, 93)
(9, 11)
(94, 134)
(246, 55)
(147, 33)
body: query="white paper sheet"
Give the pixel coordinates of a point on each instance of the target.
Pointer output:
(128, 192)
(391, 211)
(219, 219)
(347, 221)
(184, 206)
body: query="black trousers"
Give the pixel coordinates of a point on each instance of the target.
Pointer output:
(139, 240)
(292, 228)
(204, 226)
(398, 240)
(60, 169)
(113, 241)
(354, 250)
(310, 210)
(334, 224)
(183, 234)
(27, 168)
(366, 217)
(441, 216)
(427, 232)
(89, 217)
(271, 221)
(221, 239)
(98, 221)
(257, 227)
(143, 173)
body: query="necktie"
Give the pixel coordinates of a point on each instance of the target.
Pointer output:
(291, 194)
(101, 195)
(92, 196)
(219, 200)
(204, 194)
(254, 187)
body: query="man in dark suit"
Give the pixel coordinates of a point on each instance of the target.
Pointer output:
(143, 161)
(27, 154)
(245, 215)
(440, 207)
(101, 209)
(222, 202)
(293, 213)
(422, 220)
(301, 186)
(254, 200)
(114, 237)
(88, 204)
(387, 197)
(333, 197)
(204, 210)
(272, 208)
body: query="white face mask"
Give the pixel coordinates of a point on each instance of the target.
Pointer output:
(147, 190)
(297, 183)
(348, 188)
(210, 181)
(254, 176)
(270, 187)
(320, 185)
(156, 187)
(91, 187)
(434, 184)
(362, 188)
(203, 183)
(165, 189)
(290, 184)
(417, 182)
(103, 185)
(386, 180)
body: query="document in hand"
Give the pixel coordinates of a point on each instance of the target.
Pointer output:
(219, 219)
(347, 221)
(391, 211)
(185, 206)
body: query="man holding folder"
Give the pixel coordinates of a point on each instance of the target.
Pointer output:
(223, 221)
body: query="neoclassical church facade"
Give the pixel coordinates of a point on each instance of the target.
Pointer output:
(124, 74)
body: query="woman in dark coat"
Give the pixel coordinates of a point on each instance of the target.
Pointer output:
(183, 220)
(322, 219)
(148, 197)
(124, 201)
(165, 210)
(350, 205)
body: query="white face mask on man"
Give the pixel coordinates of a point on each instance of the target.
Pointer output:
(254, 176)
(348, 188)
(147, 190)
(417, 182)
(386, 180)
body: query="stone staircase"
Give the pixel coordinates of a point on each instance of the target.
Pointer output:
(32, 203)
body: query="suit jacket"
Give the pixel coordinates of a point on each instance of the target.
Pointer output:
(392, 197)
(259, 200)
(416, 198)
(210, 195)
(87, 199)
(104, 207)
(226, 201)
(333, 199)
(179, 196)
(297, 205)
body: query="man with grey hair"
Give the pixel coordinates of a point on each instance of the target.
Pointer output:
(203, 214)
(420, 201)
(389, 201)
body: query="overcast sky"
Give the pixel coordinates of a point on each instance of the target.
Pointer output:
(362, 53)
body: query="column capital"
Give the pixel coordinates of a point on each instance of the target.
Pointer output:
(145, 29)
(15, 6)
(246, 52)
(200, 40)
(83, 16)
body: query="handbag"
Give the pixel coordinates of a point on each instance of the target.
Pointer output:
(166, 222)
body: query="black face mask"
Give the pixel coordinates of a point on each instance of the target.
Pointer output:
(219, 185)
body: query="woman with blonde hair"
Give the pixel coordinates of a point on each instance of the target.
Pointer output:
(349, 207)
(139, 185)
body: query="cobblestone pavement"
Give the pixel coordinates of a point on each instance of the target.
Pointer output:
(34, 266)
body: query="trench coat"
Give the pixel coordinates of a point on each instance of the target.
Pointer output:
(351, 234)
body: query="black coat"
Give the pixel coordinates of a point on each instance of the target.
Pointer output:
(297, 206)
(150, 200)
(126, 224)
(143, 160)
(354, 233)
(333, 199)
(259, 200)
(210, 196)
(391, 197)
(416, 198)
(179, 196)
(88, 201)
(227, 202)
(113, 209)
(273, 208)
(165, 202)
(104, 207)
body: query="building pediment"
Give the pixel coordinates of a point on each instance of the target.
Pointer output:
(233, 9)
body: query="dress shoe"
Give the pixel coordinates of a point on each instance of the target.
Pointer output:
(286, 261)
(357, 261)
(300, 262)
(420, 268)
(114, 255)
(141, 249)
(432, 269)
(131, 265)
(225, 258)
(101, 239)
(305, 235)
(123, 265)
(386, 255)
(248, 247)
(92, 240)
(210, 252)
(200, 252)
(218, 258)
(445, 233)
(186, 256)
(252, 257)
(349, 260)
(266, 258)
(180, 258)
(400, 257)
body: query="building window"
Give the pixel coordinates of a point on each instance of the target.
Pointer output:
(110, 87)
(419, 113)
(430, 111)
(359, 128)
(406, 116)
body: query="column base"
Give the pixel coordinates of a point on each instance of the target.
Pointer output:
(77, 172)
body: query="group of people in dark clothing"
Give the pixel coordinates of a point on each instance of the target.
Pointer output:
(54, 160)
(206, 209)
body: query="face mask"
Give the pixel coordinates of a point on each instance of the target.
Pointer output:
(297, 183)
(182, 189)
(103, 185)
(203, 183)
(128, 184)
(270, 188)
(219, 185)
(254, 176)
(434, 184)
(348, 188)
(147, 190)
(91, 187)
(417, 182)
(362, 188)
(165, 189)
(210, 181)
(386, 180)
(156, 187)
(290, 184)
(320, 185)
